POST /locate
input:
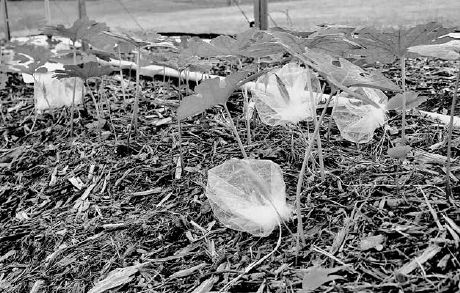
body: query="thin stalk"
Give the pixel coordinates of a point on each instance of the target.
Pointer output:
(98, 114)
(123, 89)
(300, 233)
(248, 119)
(72, 107)
(1, 113)
(235, 132)
(179, 127)
(136, 95)
(187, 81)
(403, 83)
(315, 120)
(449, 135)
(107, 103)
(96, 105)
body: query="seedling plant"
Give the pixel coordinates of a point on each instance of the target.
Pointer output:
(329, 56)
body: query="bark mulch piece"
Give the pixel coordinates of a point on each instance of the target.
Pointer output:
(97, 209)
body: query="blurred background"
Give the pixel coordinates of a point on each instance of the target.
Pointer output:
(228, 16)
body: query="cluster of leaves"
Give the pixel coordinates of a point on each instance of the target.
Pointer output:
(332, 52)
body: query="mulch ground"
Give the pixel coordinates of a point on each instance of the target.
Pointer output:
(75, 208)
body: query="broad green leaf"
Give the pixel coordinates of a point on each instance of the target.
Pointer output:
(31, 68)
(335, 29)
(66, 57)
(210, 92)
(147, 36)
(125, 47)
(127, 39)
(412, 101)
(387, 46)
(180, 61)
(293, 32)
(348, 74)
(447, 51)
(293, 43)
(101, 54)
(82, 29)
(251, 43)
(315, 277)
(101, 41)
(37, 56)
(84, 71)
(334, 45)
(37, 53)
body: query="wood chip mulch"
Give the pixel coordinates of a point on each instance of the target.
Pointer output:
(76, 209)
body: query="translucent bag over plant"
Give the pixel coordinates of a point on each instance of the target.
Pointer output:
(357, 121)
(248, 195)
(51, 93)
(281, 96)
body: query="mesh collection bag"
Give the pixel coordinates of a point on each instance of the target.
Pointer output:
(357, 121)
(248, 195)
(274, 107)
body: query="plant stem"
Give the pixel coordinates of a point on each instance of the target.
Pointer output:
(235, 132)
(300, 233)
(136, 95)
(98, 114)
(72, 107)
(315, 120)
(179, 127)
(96, 105)
(107, 103)
(403, 115)
(123, 90)
(449, 135)
(247, 117)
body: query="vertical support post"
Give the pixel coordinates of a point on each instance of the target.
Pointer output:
(261, 14)
(6, 23)
(47, 12)
(81, 9)
(82, 14)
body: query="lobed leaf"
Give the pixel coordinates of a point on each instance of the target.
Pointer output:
(81, 29)
(37, 53)
(446, 51)
(387, 46)
(348, 74)
(123, 38)
(412, 101)
(210, 92)
(251, 43)
(84, 71)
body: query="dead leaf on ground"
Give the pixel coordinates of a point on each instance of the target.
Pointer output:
(315, 277)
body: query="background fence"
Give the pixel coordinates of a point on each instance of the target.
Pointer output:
(227, 16)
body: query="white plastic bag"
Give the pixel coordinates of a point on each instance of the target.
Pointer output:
(357, 121)
(50, 92)
(275, 109)
(248, 195)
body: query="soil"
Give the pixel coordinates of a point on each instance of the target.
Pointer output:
(74, 207)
